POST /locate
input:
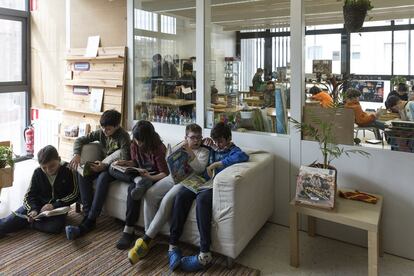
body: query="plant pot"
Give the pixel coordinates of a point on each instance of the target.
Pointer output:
(354, 17)
(3, 164)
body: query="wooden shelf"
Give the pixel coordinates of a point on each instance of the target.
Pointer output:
(80, 111)
(168, 101)
(67, 137)
(94, 83)
(82, 58)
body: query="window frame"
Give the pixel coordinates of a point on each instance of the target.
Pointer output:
(25, 84)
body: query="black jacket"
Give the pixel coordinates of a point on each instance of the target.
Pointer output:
(63, 192)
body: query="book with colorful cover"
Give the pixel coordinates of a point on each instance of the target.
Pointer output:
(178, 163)
(316, 187)
(197, 183)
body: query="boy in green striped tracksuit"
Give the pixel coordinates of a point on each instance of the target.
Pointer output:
(53, 185)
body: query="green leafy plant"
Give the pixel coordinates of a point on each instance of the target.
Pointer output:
(396, 80)
(322, 132)
(6, 156)
(355, 12)
(366, 4)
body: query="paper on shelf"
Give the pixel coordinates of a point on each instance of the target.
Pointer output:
(92, 47)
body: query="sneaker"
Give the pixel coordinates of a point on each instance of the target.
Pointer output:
(126, 241)
(72, 232)
(139, 251)
(174, 257)
(191, 264)
(86, 226)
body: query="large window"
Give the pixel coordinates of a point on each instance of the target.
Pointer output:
(371, 53)
(14, 82)
(323, 47)
(164, 64)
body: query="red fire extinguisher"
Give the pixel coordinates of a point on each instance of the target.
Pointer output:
(29, 139)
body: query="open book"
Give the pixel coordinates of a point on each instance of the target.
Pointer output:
(130, 170)
(197, 183)
(178, 163)
(55, 212)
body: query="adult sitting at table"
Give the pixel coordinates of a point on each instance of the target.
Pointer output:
(404, 108)
(362, 118)
(401, 92)
(257, 80)
(269, 95)
(322, 97)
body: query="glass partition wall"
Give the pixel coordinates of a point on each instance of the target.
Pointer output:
(164, 63)
(248, 84)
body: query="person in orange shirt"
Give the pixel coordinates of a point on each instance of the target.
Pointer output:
(362, 118)
(324, 98)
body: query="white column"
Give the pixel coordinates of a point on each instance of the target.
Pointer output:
(297, 63)
(130, 106)
(203, 31)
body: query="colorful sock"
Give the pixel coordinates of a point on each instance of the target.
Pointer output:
(205, 258)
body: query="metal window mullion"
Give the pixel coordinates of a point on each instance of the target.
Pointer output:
(13, 13)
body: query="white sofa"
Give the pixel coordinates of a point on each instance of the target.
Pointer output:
(243, 196)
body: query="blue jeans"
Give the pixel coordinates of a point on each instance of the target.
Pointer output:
(182, 205)
(93, 201)
(13, 223)
(133, 205)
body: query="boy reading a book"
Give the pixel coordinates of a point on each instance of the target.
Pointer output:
(224, 154)
(148, 156)
(115, 142)
(53, 185)
(157, 214)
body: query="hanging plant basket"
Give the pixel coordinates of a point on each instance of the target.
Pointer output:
(354, 16)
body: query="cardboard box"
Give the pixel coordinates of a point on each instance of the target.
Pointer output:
(7, 173)
(341, 118)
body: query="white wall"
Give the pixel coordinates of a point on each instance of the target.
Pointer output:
(386, 172)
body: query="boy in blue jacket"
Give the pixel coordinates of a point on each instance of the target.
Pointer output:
(53, 185)
(222, 156)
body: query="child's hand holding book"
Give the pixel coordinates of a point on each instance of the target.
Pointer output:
(211, 169)
(31, 216)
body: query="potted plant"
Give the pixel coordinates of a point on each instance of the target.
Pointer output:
(316, 183)
(6, 156)
(355, 12)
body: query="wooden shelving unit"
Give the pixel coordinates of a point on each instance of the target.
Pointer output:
(108, 71)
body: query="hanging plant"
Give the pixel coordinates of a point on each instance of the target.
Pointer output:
(355, 12)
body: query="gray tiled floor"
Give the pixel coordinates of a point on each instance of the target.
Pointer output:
(269, 252)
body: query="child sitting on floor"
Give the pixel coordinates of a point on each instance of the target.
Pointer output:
(53, 185)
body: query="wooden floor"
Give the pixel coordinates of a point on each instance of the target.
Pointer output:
(30, 252)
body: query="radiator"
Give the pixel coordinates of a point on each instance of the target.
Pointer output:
(46, 128)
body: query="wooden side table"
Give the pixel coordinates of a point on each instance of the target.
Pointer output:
(353, 213)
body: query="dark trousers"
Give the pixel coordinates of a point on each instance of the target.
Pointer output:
(182, 205)
(133, 206)
(93, 201)
(13, 223)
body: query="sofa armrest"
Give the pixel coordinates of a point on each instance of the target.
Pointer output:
(243, 200)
